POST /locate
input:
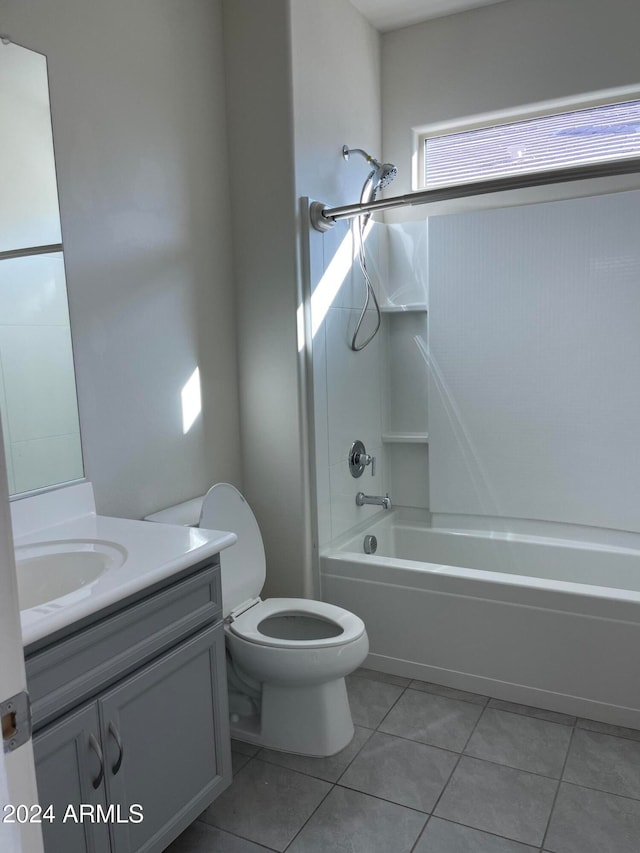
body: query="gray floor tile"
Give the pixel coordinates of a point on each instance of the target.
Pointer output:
(349, 822)
(370, 700)
(451, 692)
(374, 675)
(441, 836)
(530, 711)
(267, 804)
(407, 773)
(498, 799)
(608, 729)
(238, 760)
(608, 763)
(249, 749)
(586, 821)
(435, 720)
(329, 769)
(521, 742)
(201, 838)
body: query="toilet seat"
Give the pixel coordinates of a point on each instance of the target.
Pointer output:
(247, 624)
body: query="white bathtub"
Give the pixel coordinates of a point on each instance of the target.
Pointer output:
(544, 621)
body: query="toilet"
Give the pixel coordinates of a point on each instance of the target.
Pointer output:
(287, 658)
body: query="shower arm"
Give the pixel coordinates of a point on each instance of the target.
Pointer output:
(347, 152)
(323, 218)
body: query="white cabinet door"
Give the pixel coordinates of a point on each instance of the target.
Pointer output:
(70, 769)
(166, 742)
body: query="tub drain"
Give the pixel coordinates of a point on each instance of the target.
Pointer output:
(370, 544)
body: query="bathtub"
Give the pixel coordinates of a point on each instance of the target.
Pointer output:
(541, 620)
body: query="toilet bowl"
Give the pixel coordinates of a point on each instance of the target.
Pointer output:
(287, 658)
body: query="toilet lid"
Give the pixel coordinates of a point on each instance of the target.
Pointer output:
(243, 566)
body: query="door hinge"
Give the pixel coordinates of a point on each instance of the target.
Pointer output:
(16, 721)
(242, 608)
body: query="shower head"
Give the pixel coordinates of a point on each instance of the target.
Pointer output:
(382, 174)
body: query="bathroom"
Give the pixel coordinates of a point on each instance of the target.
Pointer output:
(185, 139)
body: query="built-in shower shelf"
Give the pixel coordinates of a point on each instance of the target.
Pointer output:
(413, 308)
(405, 437)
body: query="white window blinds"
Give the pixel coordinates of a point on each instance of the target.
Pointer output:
(559, 141)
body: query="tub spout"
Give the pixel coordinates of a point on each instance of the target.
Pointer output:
(374, 500)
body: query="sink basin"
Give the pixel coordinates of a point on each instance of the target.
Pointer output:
(63, 571)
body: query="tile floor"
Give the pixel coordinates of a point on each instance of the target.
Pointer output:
(434, 770)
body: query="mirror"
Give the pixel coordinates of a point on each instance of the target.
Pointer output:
(38, 402)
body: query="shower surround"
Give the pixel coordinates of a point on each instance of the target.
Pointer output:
(502, 403)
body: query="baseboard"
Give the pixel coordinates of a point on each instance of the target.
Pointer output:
(575, 705)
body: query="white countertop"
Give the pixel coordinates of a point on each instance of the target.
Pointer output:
(153, 552)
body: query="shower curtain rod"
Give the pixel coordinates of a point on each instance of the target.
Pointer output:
(323, 218)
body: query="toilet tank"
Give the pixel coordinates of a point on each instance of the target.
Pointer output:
(186, 514)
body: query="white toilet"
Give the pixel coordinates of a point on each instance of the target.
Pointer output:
(287, 657)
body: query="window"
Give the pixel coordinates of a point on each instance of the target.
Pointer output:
(575, 138)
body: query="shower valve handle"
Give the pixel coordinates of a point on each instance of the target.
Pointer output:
(365, 459)
(359, 459)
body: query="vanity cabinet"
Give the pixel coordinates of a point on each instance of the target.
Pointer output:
(152, 741)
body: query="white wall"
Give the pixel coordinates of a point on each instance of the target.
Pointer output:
(288, 119)
(336, 97)
(502, 56)
(137, 98)
(336, 91)
(258, 67)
